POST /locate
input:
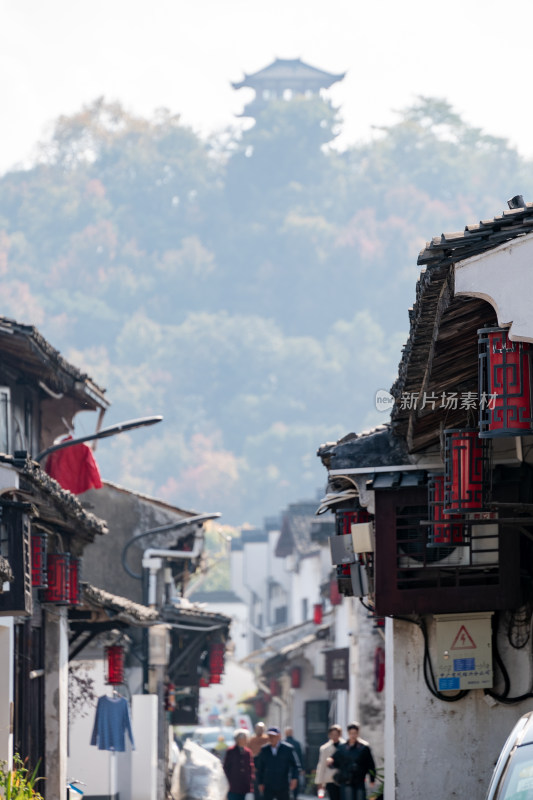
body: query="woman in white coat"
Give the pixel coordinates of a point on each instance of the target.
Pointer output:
(324, 774)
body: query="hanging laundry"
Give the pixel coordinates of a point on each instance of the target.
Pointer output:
(111, 723)
(74, 468)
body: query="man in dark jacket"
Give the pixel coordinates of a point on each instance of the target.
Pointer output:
(289, 738)
(277, 768)
(239, 767)
(353, 761)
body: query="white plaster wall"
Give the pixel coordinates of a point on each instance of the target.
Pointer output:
(276, 566)
(144, 760)
(369, 704)
(305, 584)
(237, 574)
(6, 688)
(100, 770)
(512, 296)
(432, 744)
(255, 570)
(311, 689)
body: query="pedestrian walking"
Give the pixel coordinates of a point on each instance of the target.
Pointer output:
(353, 761)
(277, 767)
(298, 750)
(324, 774)
(255, 744)
(239, 767)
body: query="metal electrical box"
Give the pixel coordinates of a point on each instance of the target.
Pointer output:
(362, 537)
(341, 548)
(464, 651)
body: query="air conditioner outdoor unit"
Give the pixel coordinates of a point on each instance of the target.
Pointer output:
(482, 549)
(456, 557)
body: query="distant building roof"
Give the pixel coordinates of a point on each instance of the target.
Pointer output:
(292, 74)
(219, 596)
(155, 501)
(296, 530)
(26, 349)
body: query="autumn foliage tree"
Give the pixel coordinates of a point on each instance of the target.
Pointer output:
(252, 288)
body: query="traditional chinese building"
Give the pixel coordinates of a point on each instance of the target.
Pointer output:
(282, 80)
(435, 513)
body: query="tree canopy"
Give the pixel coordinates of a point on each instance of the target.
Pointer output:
(252, 289)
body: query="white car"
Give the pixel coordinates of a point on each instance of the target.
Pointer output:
(512, 778)
(211, 737)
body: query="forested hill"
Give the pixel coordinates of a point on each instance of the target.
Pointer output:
(252, 288)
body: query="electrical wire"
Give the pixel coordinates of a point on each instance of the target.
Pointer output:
(429, 675)
(519, 626)
(368, 608)
(504, 698)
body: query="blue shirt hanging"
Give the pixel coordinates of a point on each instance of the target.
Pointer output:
(111, 723)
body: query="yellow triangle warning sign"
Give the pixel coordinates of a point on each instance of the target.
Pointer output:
(463, 640)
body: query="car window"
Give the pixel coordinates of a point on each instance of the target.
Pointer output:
(517, 780)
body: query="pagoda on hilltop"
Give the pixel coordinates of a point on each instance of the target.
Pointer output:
(282, 80)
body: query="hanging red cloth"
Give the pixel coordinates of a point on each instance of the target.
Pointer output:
(74, 468)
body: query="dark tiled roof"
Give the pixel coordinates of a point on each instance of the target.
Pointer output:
(120, 608)
(283, 69)
(54, 504)
(294, 649)
(28, 350)
(188, 613)
(395, 480)
(449, 248)
(441, 350)
(374, 448)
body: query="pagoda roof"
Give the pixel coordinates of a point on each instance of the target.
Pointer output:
(288, 70)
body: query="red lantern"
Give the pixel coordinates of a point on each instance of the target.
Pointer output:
(505, 378)
(296, 677)
(214, 678)
(74, 581)
(274, 687)
(317, 613)
(466, 463)
(216, 658)
(39, 578)
(115, 664)
(58, 568)
(345, 519)
(335, 597)
(204, 683)
(443, 530)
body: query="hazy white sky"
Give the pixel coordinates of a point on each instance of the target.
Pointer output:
(56, 55)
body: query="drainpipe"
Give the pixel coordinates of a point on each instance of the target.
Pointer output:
(153, 561)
